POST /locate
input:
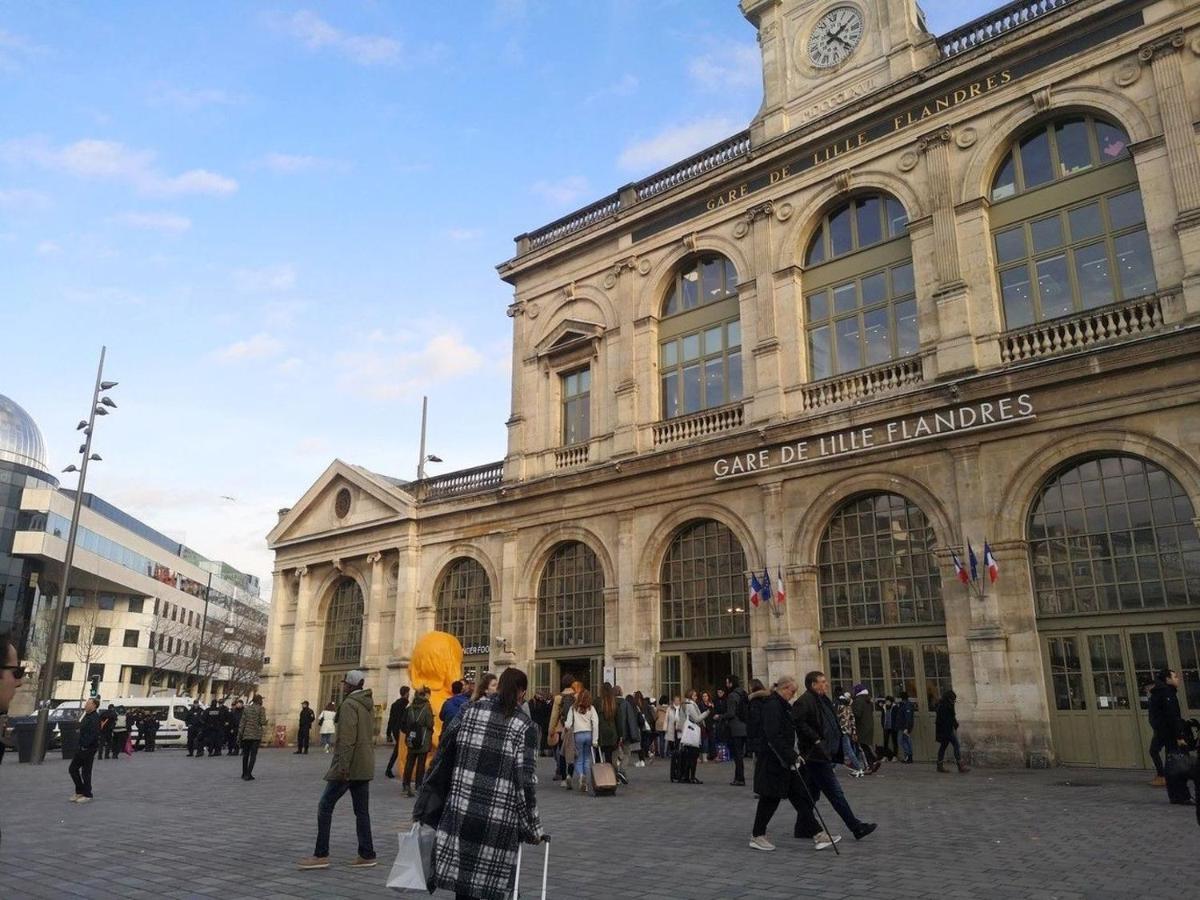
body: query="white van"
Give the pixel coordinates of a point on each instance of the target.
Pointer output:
(170, 712)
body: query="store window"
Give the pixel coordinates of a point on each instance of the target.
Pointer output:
(464, 606)
(700, 338)
(1068, 222)
(876, 565)
(704, 592)
(1110, 534)
(571, 599)
(577, 406)
(860, 306)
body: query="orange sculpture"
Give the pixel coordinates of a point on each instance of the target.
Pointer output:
(436, 662)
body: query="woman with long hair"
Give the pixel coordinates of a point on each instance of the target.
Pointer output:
(583, 723)
(485, 688)
(686, 712)
(486, 803)
(328, 725)
(647, 727)
(610, 734)
(708, 744)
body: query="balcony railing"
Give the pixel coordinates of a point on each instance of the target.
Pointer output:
(576, 221)
(465, 481)
(694, 166)
(864, 383)
(569, 457)
(1096, 326)
(1007, 18)
(700, 425)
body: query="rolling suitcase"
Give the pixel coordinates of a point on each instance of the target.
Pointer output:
(545, 870)
(604, 776)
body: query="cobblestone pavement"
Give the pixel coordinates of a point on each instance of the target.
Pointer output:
(168, 826)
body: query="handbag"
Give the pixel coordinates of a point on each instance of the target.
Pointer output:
(413, 868)
(691, 735)
(436, 786)
(1179, 765)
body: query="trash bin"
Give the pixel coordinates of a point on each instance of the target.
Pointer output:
(70, 738)
(23, 732)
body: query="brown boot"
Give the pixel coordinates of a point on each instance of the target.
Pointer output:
(962, 770)
(941, 767)
(1158, 781)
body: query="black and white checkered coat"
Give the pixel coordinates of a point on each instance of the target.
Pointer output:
(492, 804)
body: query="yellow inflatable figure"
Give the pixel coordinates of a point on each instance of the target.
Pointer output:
(436, 663)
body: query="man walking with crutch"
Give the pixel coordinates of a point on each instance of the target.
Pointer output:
(777, 776)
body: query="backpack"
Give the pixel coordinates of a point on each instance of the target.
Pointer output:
(414, 732)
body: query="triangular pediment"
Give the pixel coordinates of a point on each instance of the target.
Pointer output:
(344, 498)
(569, 335)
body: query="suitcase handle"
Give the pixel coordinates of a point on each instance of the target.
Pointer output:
(545, 869)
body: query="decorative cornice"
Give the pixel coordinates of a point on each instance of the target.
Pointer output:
(631, 263)
(927, 142)
(1162, 46)
(759, 211)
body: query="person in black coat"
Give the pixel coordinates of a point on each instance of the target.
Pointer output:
(1171, 732)
(233, 721)
(395, 729)
(903, 719)
(108, 721)
(194, 720)
(776, 775)
(946, 732)
(304, 728)
(214, 728)
(149, 727)
(89, 743)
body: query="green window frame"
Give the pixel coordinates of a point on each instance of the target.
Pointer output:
(1057, 149)
(860, 304)
(463, 606)
(1112, 534)
(704, 588)
(343, 626)
(570, 609)
(576, 406)
(700, 338)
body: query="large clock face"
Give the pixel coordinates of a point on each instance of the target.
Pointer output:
(835, 37)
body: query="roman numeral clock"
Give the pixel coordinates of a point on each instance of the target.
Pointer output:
(835, 36)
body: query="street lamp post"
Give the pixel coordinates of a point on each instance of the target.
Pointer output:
(100, 406)
(425, 457)
(203, 626)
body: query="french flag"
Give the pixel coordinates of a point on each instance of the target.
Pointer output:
(755, 591)
(974, 562)
(989, 563)
(959, 572)
(780, 592)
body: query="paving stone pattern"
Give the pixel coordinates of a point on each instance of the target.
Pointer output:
(165, 826)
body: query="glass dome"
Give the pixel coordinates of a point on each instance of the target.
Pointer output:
(20, 440)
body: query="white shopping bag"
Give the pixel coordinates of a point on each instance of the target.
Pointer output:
(412, 868)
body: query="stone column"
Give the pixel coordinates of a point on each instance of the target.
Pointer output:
(955, 346)
(300, 626)
(378, 591)
(803, 612)
(1163, 58)
(764, 387)
(645, 403)
(509, 624)
(638, 671)
(275, 648)
(403, 634)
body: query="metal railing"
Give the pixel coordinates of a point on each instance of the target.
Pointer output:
(1096, 326)
(464, 481)
(699, 425)
(1007, 18)
(864, 383)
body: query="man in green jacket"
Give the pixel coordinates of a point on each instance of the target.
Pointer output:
(251, 727)
(352, 769)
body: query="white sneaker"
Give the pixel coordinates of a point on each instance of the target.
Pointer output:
(639, 765)
(84, 800)
(761, 843)
(75, 798)
(825, 840)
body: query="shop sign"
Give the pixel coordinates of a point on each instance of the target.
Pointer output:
(1007, 410)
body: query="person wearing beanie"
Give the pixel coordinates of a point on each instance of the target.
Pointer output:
(864, 723)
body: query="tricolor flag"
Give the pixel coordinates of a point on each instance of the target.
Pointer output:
(989, 563)
(755, 590)
(766, 586)
(781, 593)
(974, 562)
(959, 572)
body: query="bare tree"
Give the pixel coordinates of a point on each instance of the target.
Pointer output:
(233, 647)
(166, 646)
(87, 649)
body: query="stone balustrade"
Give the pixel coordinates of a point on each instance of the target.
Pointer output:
(699, 425)
(569, 457)
(991, 26)
(864, 383)
(1096, 326)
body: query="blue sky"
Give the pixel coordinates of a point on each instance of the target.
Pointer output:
(283, 220)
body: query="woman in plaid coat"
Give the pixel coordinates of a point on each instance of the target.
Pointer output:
(491, 804)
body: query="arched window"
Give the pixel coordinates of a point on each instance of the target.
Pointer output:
(344, 626)
(704, 584)
(876, 565)
(1068, 226)
(571, 599)
(700, 338)
(464, 606)
(1111, 534)
(860, 302)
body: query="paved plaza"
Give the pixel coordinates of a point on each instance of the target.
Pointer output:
(168, 826)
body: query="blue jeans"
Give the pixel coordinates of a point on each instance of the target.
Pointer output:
(953, 742)
(583, 754)
(360, 793)
(848, 755)
(822, 778)
(905, 745)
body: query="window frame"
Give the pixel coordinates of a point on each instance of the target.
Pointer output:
(687, 578)
(342, 643)
(1050, 127)
(463, 605)
(576, 407)
(564, 595)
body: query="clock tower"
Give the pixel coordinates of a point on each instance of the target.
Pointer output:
(819, 55)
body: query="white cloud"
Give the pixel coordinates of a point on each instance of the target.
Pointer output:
(260, 346)
(564, 190)
(364, 49)
(728, 67)
(394, 367)
(154, 221)
(622, 87)
(463, 234)
(48, 248)
(293, 164)
(674, 143)
(267, 278)
(113, 161)
(23, 200)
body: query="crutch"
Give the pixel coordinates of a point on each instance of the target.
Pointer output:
(545, 869)
(796, 770)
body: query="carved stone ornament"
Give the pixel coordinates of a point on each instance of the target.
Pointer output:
(375, 557)
(908, 160)
(515, 309)
(1194, 45)
(532, 310)
(1041, 99)
(301, 571)
(568, 292)
(644, 267)
(746, 222)
(1127, 73)
(614, 273)
(1168, 43)
(965, 138)
(934, 139)
(783, 211)
(841, 181)
(690, 243)
(337, 563)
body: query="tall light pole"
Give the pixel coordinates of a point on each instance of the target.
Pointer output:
(203, 626)
(431, 457)
(100, 407)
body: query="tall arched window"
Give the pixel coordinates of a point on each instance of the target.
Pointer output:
(859, 295)
(700, 338)
(571, 599)
(876, 565)
(704, 584)
(464, 606)
(1068, 226)
(1111, 534)
(342, 648)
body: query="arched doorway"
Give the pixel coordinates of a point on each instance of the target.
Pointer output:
(464, 609)
(341, 650)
